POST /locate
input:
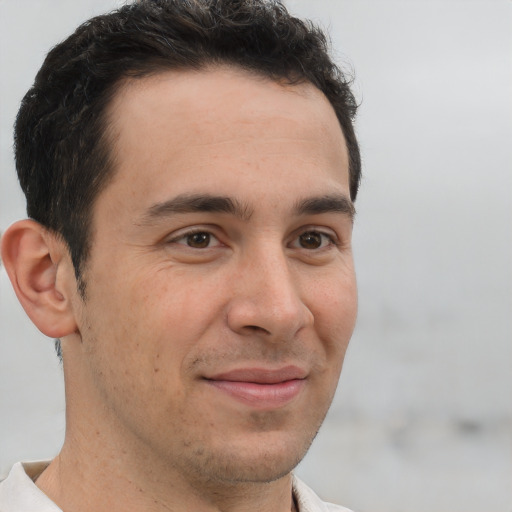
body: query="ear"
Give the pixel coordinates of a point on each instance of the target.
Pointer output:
(41, 272)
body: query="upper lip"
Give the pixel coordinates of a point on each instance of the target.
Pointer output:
(261, 375)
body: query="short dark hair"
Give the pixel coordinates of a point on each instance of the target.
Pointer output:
(62, 149)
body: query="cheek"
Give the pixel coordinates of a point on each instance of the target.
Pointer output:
(120, 325)
(171, 311)
(334, 302)
(335, 312)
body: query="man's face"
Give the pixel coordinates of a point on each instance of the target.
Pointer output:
(220, 288)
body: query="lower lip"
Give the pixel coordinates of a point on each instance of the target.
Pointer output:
(261, 396)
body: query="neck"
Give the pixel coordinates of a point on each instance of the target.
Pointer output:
(100, 469)
(78, 484)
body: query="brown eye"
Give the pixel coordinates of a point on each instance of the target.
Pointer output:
(199, 240)
(310, 240)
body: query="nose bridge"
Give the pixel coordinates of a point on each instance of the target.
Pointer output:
(268, 296)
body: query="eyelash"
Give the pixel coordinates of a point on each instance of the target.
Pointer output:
(191, 233)
(331, 239)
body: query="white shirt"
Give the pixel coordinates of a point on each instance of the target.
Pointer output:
(19, 493)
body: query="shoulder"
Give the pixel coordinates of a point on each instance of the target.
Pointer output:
(308, 501)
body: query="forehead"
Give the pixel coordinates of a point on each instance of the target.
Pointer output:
(220, 93)
(198, 131)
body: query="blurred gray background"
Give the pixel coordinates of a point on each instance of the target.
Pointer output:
(422, 420)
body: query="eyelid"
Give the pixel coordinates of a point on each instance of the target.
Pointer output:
(182, 234)
(330, 234)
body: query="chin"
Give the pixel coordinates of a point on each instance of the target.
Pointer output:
(261, 460)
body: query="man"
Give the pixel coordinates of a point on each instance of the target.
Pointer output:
(190, 170)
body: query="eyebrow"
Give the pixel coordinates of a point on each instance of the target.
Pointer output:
(196, 203)
(337, 203)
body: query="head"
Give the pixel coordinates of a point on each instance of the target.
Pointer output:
(62, 137)
(194, 181)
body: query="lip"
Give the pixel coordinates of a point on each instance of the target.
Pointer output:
(260, 388)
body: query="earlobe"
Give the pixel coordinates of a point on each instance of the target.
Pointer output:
(35, 260)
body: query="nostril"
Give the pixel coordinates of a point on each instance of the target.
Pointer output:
(256, 328)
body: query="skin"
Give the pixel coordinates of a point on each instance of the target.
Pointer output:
(176, 299)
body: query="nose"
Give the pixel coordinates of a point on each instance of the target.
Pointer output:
(267, 300)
